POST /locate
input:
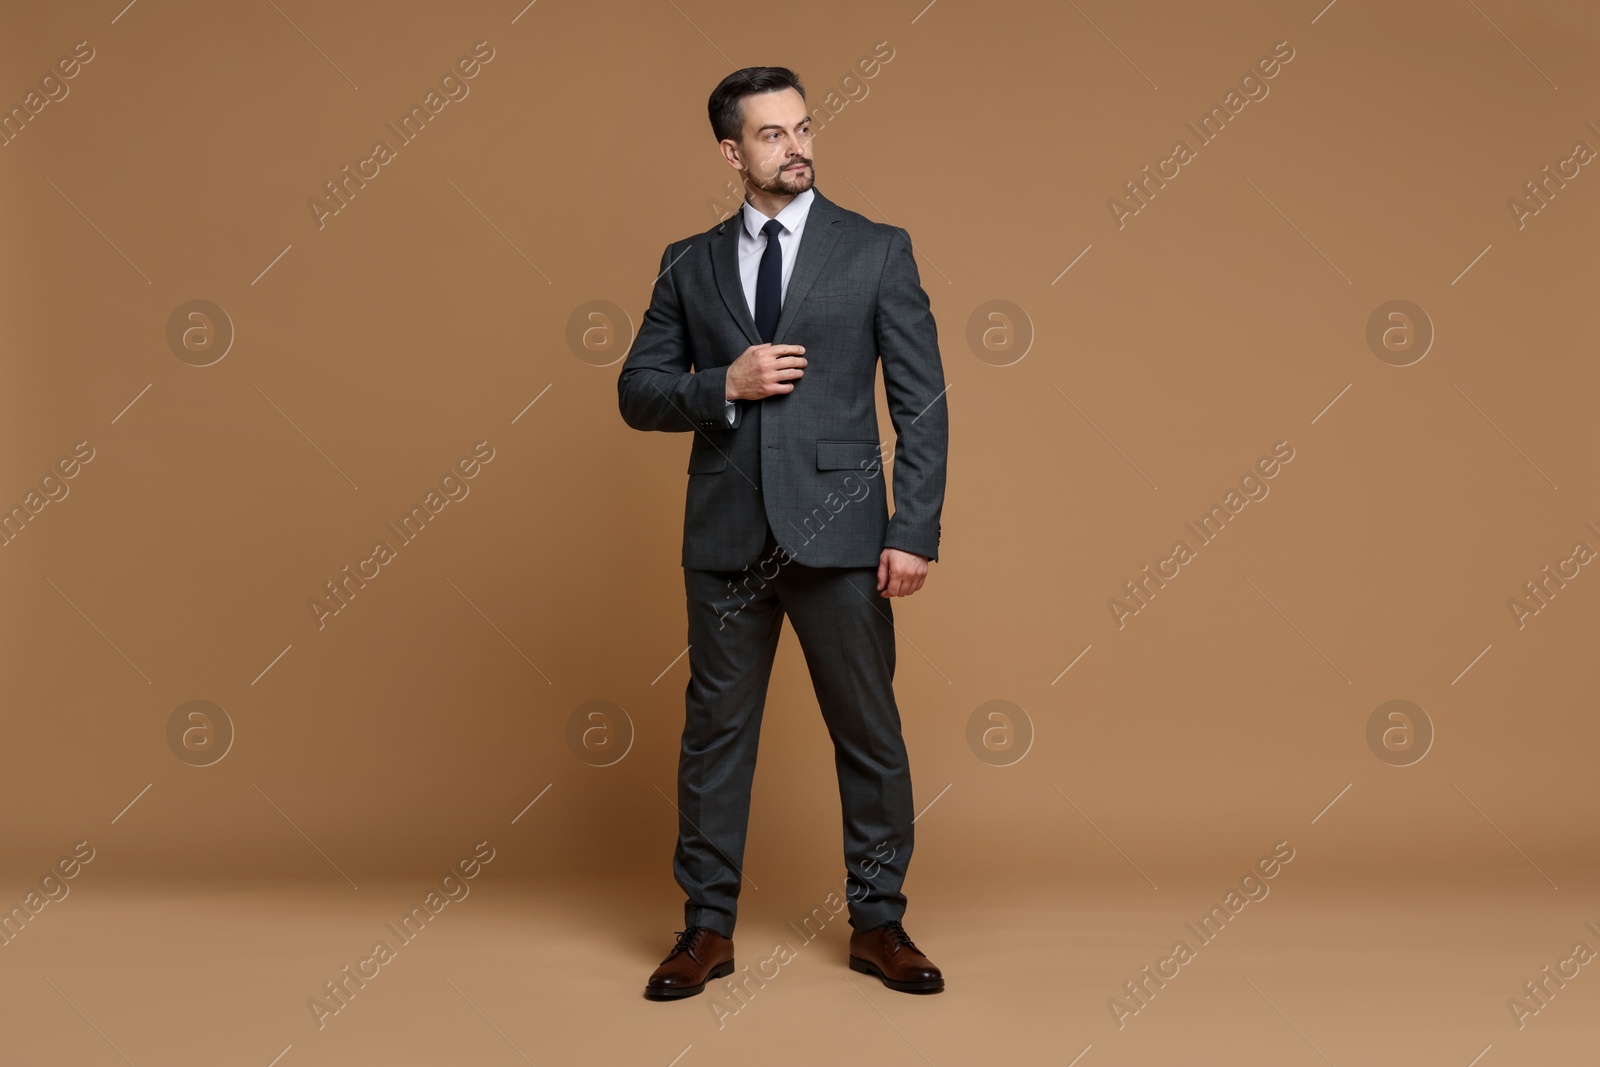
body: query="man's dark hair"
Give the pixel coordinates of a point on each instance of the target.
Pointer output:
(727, 115)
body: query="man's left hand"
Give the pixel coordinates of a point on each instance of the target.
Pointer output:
(901, 573)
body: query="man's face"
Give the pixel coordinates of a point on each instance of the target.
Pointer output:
(775, 143)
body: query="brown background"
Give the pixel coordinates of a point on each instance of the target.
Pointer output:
(1226, 316)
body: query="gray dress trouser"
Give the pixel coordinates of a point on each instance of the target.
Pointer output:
(846, 630)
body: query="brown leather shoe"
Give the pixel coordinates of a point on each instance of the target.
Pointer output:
(888, 952)
(699, 955)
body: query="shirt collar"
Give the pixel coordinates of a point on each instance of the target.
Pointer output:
(792, 215)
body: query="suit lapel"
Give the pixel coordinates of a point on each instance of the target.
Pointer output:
(816, 245)
(725, 265)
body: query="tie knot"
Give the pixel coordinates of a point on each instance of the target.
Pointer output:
(772, 228)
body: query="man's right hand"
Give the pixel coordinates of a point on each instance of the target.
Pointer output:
(764, 370)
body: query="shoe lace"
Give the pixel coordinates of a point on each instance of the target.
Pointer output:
(898, 935)
(685, 940)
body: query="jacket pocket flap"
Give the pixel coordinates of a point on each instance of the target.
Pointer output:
(706, 461)
(842, 455)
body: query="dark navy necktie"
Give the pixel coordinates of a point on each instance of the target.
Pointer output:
(769, 283)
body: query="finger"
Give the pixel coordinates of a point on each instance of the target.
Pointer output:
(883, 570)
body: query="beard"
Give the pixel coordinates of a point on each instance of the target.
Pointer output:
(785, 183)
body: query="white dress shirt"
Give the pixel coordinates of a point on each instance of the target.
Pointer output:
(753, 244)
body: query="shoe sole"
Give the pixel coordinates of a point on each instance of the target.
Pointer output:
(721, 970)
(933, 985)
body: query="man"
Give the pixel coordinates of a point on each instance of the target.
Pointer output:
(762, 338)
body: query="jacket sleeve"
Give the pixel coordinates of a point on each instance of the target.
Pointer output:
(913, 377)
(658, 388)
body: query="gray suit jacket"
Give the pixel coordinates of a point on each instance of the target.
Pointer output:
(808, 464)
